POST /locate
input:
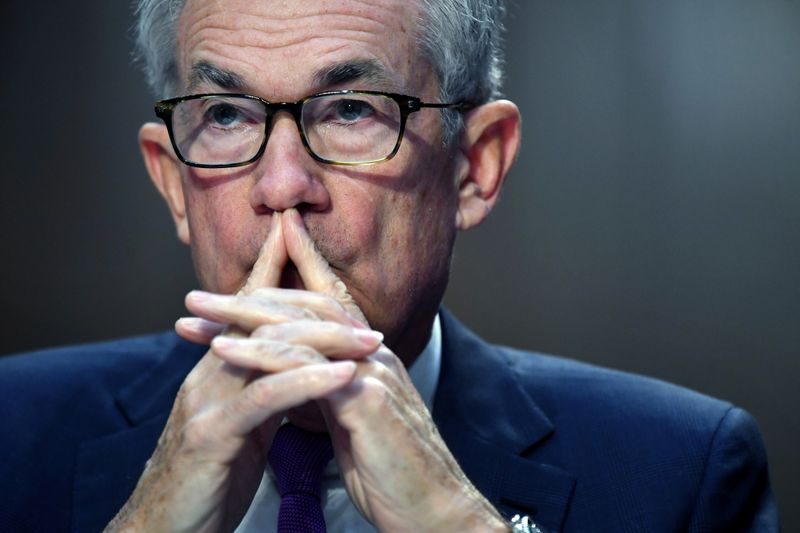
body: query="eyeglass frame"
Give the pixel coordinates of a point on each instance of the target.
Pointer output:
(407, 104)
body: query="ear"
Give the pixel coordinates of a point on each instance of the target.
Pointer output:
(164, 170)
(490, 144)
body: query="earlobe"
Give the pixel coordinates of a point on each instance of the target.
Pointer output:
(164, 170)
(490, 144)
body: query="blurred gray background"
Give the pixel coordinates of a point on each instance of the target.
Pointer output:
(651, 223)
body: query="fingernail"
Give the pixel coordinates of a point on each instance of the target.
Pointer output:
(189, 322)
(198, 296)
(343, 368)
(222, 342)
(369, 337)
(274, 225)
(294, 216)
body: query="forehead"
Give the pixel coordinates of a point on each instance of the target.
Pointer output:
(285, 49)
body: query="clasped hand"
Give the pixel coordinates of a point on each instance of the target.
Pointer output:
(309, 355)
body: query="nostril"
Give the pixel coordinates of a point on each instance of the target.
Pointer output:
(261, 209)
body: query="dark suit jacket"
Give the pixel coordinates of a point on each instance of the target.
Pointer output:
(579, 448)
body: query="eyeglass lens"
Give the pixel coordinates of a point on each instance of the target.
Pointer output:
(344, 128)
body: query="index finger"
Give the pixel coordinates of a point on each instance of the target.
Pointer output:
(314, 270)
(271, 259)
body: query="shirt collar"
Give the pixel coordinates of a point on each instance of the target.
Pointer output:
(424, 372)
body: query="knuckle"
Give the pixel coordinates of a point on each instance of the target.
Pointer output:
(193, 403)
(197, 432)
(298, 354)
(265, 348)
(329, 306)
(269, 331)
(312, 381)
(307, 314)
(375, 392)
(379, 371)
(262, 391)
(284, 351)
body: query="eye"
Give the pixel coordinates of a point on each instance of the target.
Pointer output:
(351, 110)
(225, 115)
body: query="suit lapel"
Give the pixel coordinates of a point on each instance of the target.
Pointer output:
(107, 468)
(107, 471)
(492, 426)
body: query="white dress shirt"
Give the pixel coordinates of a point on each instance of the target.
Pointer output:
(340, 513)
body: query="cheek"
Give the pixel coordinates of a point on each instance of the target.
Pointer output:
(407, 269)
(222, 237)
(417, 232)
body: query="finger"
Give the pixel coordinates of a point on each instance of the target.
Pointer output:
(329, 338)
(322, 305)
(198, 330)
(271, 260)
(242, 311)
(387, 367)
(324, 339)
(275, 393)
(363, 405)
(314, 270)
(265, 355)
(377, 391)
(369, 407)
(388, 359)
(286, 304)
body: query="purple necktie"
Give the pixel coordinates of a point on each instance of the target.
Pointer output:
(298, 458)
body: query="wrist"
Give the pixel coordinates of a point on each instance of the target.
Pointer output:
(472, 512)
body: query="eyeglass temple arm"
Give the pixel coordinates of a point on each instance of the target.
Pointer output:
(461, 106)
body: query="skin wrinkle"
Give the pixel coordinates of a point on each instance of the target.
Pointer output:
(270, 34)
(393, 86)
(291, 19)
(242, 24)
(353, 74)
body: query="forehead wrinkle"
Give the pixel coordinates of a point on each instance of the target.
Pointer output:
(259, 40)
(274, 21)
(223, 33)
(270, 29)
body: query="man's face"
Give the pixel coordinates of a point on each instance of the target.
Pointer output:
(385, 229)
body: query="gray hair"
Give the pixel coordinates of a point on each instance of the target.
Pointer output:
(461, 39)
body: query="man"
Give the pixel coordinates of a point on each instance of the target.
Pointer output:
(319, 159)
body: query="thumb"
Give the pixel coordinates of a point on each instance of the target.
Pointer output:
(271, 259)
(314, 270)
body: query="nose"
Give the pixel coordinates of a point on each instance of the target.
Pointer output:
(286, 176)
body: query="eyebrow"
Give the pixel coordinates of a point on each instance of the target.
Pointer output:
(368, 70)
(204, 72)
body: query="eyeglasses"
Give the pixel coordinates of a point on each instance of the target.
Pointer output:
(338, 127)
